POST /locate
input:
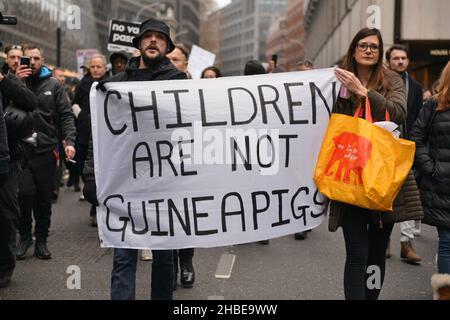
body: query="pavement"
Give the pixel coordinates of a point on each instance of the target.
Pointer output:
(286, 269)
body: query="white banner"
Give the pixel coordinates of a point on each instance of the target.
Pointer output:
(212, 162)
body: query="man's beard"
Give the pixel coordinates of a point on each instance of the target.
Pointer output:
(401, 70)
(151, 62)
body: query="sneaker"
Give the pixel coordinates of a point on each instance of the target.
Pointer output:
(187, 274)
(146, 255)
(82, 198)
(22, 247)
(41, 251)
(301, 235)
(5, 282)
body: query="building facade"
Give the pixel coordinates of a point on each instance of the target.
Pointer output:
(286, 37)
(244, 31)
(275, 44)
(211, 35)
(38, 22)
(423, 26)
(183, 17)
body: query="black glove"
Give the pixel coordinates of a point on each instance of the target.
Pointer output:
(3, 179)
(101, 85)
(90, 192)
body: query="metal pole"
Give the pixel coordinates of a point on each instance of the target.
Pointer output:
(58, 36)
(398, 21)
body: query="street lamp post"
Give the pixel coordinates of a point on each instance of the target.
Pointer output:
(58, 36)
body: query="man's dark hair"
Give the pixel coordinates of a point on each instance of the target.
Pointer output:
(30, 46)
(254, 67)
(306, 63)
(396, 47)
(10, 47)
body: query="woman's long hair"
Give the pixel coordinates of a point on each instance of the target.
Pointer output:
(443, 90)
(377, 79)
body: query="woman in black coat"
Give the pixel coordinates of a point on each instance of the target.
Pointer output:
(431, 133)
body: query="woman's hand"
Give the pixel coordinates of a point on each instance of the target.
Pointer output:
(351, 82)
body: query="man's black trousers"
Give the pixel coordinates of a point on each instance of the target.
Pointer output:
(35, 194)
(9, 217)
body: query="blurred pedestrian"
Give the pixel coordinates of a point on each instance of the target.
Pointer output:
(431, 132)
(16, 101)
(398, 60)
(211, 73)
(254, 67)
(180, 58)
(52, 117)
(118, 62)
(305, 65)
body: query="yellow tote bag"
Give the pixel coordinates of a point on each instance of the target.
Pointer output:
(362, 164)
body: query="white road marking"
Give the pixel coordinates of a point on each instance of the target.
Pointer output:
(225, 266)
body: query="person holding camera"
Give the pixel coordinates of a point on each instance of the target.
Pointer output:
(52, 117)
(18, 102)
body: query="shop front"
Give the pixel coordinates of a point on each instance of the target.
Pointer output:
(428, 59)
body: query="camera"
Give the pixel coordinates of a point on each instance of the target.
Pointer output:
(275, 59)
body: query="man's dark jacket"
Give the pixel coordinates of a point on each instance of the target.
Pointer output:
(415, 102)
(82, 98)
(4, 151)
(54, 112)
(164, 71)
(17, 94)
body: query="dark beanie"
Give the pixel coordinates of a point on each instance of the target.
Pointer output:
(254, 67)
